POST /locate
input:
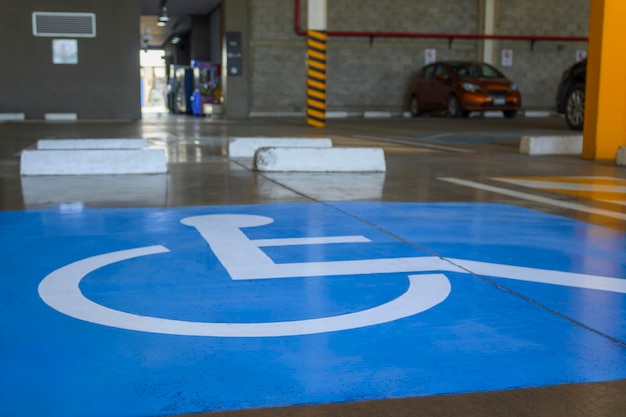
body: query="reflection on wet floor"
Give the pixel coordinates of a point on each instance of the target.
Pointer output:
(323, 186)
(94, 190)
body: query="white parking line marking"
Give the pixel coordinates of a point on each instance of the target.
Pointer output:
(310, 240)
(621, 203)
(569, 186)
(421, 144)
(536, 198)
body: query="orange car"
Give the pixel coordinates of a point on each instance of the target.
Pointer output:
(460, 87)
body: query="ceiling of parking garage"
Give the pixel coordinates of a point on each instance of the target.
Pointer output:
(179, 12)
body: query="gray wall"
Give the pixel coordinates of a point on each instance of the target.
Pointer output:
(179, 54)
(236, 88)
(537, 71)
(202, 41)
(215, 35)
(362, 75)
(374, 76)
(105, 84)
(200, 38)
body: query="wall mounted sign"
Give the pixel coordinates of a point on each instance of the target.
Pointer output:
(430, 56)
(233, 53)
(507, 57)
(64, 51)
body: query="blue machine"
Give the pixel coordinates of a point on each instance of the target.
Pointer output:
(180, 89)
(206, 85)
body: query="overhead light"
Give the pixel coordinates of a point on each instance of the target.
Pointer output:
(164, 17)
(161, 23)
(147, 35)
(175, 40)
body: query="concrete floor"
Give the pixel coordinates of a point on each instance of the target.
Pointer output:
(429, 160)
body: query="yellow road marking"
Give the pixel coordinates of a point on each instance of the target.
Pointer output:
(607, 193)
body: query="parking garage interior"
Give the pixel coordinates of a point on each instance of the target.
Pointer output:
(469, 270)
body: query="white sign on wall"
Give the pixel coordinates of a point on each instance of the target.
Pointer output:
(64, 51)
(580, 55)
(507, 57)
(430, 56)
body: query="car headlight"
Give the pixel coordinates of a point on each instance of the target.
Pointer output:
(470, 87)
(513, 87)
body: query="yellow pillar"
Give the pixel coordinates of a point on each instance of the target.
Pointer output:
(605, 94)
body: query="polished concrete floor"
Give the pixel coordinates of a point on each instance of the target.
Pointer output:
(578, 207)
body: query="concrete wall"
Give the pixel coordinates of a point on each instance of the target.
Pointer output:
(236, 88)
(537, 69)
(200, 37)
(215, 35)
(179, 54)
(364, 75)
(105, 83)
(200, 40)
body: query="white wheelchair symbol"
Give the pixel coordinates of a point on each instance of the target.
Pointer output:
(244, 260)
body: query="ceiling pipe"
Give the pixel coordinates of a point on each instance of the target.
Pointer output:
(449, 36)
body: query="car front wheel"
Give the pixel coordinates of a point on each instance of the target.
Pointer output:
(575, 107)
(414, 107)
(454, 109)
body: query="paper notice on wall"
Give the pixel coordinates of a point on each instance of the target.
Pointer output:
(507, 57)
(64, 51)
(430, 56)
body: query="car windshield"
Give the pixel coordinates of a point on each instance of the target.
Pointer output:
(471, 70)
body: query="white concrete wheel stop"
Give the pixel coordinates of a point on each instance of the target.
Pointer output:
(273, 159)
(245, 147)
(92, 157)
(552, 145)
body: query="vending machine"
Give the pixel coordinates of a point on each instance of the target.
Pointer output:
(207, 86)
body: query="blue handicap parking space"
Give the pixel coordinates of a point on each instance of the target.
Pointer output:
(145, 312)
(511, 235)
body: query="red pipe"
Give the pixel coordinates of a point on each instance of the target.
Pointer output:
(297, 20)
(449, 36)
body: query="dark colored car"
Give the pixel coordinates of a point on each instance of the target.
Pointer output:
(461, 87)
(570, 96)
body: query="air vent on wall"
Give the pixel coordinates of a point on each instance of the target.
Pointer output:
(74, 25)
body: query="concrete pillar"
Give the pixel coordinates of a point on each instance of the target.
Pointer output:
(487, 22)
(236, 60)
(605, 96)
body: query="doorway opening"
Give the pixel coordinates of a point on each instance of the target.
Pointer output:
(153, 81)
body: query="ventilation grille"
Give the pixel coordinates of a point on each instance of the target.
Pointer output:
(74, 25)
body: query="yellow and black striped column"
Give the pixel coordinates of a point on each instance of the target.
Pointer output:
(316, 78)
